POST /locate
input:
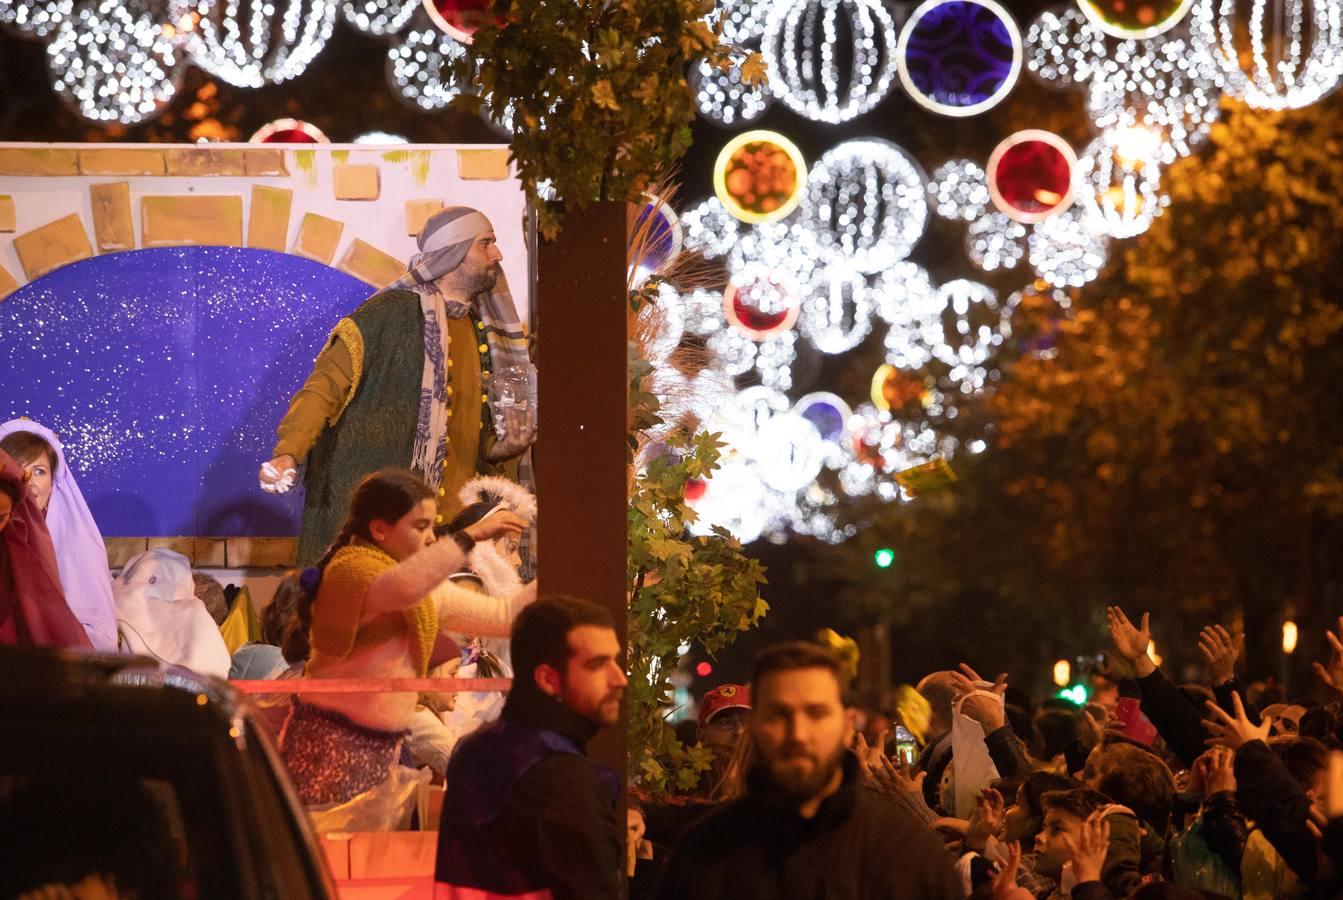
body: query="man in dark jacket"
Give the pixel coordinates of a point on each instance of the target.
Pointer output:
(527, 814)
(806, 827)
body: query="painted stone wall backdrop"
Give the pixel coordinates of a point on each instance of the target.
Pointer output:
(161, 305)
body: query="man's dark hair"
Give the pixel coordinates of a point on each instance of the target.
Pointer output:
(1304, 757)
(1056, 729)
(1036, 785)
(1140, 781)
(541, 631)
(793, 655)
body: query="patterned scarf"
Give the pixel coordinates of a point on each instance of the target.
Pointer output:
(444, 242)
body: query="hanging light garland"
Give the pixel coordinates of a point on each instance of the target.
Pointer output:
(421, 68)
(801, 47)
(959, 190)
(111, 62)
(378, 18)
(995, 241)
(1066, 252)
(1162, 85)
(252, 43)
(837, 313)
(1120, 195)
(723, 98)
(34, 18)
(1063, 47)
(1294, 49)
(867, 204)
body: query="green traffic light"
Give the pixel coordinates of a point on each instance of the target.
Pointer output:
(884, 558)
(1076, 694)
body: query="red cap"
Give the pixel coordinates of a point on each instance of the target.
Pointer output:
(725, 696)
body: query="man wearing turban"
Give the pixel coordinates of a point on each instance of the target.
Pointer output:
(431, 373)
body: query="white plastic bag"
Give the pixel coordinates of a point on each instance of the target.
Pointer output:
(973, 769)
(386, 807)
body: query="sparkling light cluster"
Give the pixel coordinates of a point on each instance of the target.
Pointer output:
(34, 18)
(959, 189)
(800, 45)
(1295, 48)
(252, 43)
(1120, 195)
(994, 241)
(1063, 47)
(723, 98)
(420, 68)
(1066, 252)
(379, 18)
(111, 62)
(867, 204)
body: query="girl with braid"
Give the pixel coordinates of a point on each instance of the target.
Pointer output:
(372, 608)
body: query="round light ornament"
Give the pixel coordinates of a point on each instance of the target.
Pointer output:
(421, 68)
(1031, 175)
(866, 204)
(660, 235)
(1136, 19)
(288, 131)
(837, 314)
(959, 57)
(379, 18)
(34, 18)
(460, 19)
(827, 412)
(1121, 195)
(760, 176)
(761, 302)
(804, 44)
(1063, 48)
(723, 98)
(252, 43)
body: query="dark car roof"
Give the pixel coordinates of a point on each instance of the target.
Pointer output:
(130, 690)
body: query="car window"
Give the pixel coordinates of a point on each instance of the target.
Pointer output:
(135, 808)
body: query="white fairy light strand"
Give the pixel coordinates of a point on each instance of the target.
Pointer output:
(420, 67)
(866, 203)
(959, 190)
(1120, 197)
(1065, 252)
(723, 98)
(1063, 48)
(995, 241)
(805, 73)
(837, 313)
(251, 43)
(34, 18)
(111, 62)
(379, 18)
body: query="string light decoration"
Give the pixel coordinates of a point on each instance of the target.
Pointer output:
(1065, 252)
(1135, 18)
(974, 323)
(1119, 194)
(1063, 48)
(827, 413)
(709, 228)
(701, 310)
(837, 313)
(866, 203)
(1162, 85)
(421, 68)
(774, 360)
(905, 286)
(1294, 48)
(251, 43)
(759, 176)
(379, 18)
(801, 46)
(995, 241)
(959, 189)
(733, 351)
(959, 57)
(1034, 298)
(1031, 174)
(723, 98)
(761, 301)
(912, 306)
(110, 62)
(34, 18)
(741, 21)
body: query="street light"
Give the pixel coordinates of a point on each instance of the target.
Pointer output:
(1289, 636)
(1063, 673)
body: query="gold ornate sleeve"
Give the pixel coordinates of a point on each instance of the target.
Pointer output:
(326, 393)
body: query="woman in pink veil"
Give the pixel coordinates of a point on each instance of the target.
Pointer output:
(33, 611)
(81, 556)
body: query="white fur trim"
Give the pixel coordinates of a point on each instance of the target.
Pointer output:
(497, 575)
(512, 496)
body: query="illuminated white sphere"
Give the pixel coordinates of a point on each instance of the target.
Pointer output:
(380, 137)
(959, 189)
(33, 18)
(866, 203)
(801, 47)
(111, 62)
(723, 98)
(1162, 85)
(710, 228)
(743, 21)
(974, 323)
(251, 43)
(1294, 48)
(837, 313)
(1065, 251)
(995, 241)
(379, 18)
(421, 68)
(1063, 48)
(1120, 196)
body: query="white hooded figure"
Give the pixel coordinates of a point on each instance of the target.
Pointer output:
(159, 614)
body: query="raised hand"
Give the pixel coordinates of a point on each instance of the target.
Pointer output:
(967, 680)
(1129, 642)
(1231, 731)
(1088, 851)
(1220, 650)
(1332, 674)
(1216, 771)
(986, 820)
(1005, 880)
